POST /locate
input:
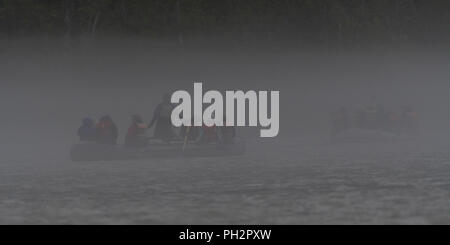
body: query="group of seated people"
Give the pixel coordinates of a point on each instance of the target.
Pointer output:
(105, 131)
(375, 118)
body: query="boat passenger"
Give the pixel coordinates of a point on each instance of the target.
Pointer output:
(135, 137)
(392, 124)
(409, 120)
(161, 116)
(107, 132)
(87, 130)
(208, 134)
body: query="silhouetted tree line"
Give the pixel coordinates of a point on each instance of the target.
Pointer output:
(307, 20)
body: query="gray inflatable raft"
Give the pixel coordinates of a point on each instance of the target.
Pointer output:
(365, 135)
(99, 152)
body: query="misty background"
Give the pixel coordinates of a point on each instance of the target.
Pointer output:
(46, 92)
(62, 60)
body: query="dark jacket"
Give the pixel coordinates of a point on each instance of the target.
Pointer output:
(161, 116)
(87, 130)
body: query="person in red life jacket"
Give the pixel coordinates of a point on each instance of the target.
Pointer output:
(107, 132)
(135, 137)
(161, 116)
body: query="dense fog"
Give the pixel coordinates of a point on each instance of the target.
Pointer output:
(47, 87)
(302, 176)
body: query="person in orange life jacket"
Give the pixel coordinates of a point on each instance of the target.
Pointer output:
(87, 130)
(161, 116)
(136, 133)
(107, 132)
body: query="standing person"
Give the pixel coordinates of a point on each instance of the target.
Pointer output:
(136, 133)
(87, 130)
(107, 132)
(161, 116)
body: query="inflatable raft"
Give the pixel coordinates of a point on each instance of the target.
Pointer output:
(99, 152)
(366, 135)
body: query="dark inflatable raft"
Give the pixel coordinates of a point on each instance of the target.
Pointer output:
(99, 152)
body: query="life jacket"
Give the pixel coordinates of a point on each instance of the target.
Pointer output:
(105, 129)
(104, 125)
(135, 130)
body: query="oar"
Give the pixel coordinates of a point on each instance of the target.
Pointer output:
(186, 137)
